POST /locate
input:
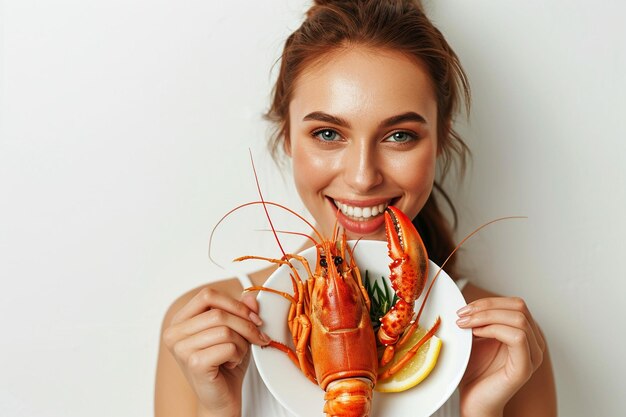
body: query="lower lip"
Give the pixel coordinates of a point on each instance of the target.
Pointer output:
(361, 227)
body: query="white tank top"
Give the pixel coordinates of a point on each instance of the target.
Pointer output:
(258, 401)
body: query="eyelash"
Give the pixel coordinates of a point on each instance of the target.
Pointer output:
(316, 134)
(411, 135)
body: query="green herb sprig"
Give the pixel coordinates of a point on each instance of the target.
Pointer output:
(382, 299)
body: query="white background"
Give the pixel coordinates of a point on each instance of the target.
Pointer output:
(125, 129)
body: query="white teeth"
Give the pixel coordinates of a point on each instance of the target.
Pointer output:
(361, 212)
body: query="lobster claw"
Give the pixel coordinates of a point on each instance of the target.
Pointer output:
(409, 259)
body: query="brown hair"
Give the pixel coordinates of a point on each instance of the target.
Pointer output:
(401, 26)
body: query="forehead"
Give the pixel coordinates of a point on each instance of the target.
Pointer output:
(362, 79)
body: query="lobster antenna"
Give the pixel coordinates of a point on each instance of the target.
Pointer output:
(419, 313)
(216, 226)
(355, 245)
(335, 228)
(287, 232)
(267, 214)
(269, 203)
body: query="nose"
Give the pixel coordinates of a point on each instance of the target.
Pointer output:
(361, 170)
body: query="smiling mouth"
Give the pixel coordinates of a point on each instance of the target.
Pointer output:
(361, 213)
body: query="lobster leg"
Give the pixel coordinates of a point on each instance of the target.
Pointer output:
(302, 348)
(266, 289)
(284, 261)
(298, 322)
(409, 355)
(308, 371)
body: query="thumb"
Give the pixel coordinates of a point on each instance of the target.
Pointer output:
(249, 299)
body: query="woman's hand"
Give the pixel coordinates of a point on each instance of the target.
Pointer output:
(507, 349)
(210, 339)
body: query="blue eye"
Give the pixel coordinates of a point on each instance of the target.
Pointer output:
(400, 137)
(326, 135)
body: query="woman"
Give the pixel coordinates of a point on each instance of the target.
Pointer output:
(363, 105)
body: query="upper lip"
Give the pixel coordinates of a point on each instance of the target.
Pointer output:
(363, 203)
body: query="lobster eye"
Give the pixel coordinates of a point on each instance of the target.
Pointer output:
(338, 260)
(323, 263)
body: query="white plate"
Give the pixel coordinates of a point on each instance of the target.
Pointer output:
(303, 398)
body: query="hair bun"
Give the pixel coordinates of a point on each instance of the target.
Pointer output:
(320, 4)
(415, 3)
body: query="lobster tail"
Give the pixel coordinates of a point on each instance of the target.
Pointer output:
(348, 398)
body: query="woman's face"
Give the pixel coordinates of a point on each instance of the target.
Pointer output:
(362, 136)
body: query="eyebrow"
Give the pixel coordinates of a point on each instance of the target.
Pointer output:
(409, 116)
(393, 120)
(320, 116)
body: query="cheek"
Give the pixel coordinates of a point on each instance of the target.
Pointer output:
(428, 168)
(419, 183)
(308, 170)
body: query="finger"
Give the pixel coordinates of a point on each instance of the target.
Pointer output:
(249, 299)
(505, 303)
(501, 303)
(510, 318)
(209, 298)
(209, 338)
(208, 361)
(217, 318)
(516, 340)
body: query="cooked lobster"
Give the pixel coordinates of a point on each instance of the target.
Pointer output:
(335, 344)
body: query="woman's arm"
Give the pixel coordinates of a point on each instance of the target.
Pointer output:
(204, 352)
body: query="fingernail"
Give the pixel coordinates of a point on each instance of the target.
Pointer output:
(464, 311)
(255, 318)
(265, 338)
(463, 321)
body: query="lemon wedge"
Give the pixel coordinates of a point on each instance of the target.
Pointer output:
(416, 369)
